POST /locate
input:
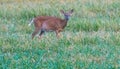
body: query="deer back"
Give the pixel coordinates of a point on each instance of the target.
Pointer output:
(40, 19)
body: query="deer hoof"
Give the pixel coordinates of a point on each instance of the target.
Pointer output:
(39, 37)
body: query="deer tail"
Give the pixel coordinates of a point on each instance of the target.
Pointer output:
(31, 22)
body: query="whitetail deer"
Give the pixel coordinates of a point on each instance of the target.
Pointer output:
(49, 23)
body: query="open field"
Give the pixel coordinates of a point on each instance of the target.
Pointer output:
(91, 39)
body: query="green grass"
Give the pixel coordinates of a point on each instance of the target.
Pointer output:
(91, 39)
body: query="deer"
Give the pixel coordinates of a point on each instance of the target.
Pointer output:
(50, 23)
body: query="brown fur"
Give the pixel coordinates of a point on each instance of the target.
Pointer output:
(56, 25)
(40, 19)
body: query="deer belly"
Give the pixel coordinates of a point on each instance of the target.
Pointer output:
(47, 28)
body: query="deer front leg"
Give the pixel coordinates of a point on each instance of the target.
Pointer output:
(58, 33)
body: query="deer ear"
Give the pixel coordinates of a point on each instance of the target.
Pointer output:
(62, 11)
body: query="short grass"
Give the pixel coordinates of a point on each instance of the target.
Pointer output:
(91, 39)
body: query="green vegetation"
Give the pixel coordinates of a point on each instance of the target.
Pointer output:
(91, 39)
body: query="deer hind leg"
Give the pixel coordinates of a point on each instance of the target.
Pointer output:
(35, 32)
(41, 33)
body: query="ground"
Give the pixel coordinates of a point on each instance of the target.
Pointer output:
(91, 39)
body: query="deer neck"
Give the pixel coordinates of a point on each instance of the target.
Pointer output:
(64, 23)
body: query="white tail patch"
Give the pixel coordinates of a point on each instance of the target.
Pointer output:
(31, 22)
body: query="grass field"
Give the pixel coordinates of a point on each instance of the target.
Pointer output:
(91, 39)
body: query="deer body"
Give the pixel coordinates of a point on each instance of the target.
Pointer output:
(54, 24)
(39, 20)
(38, 23)
(44, 24)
